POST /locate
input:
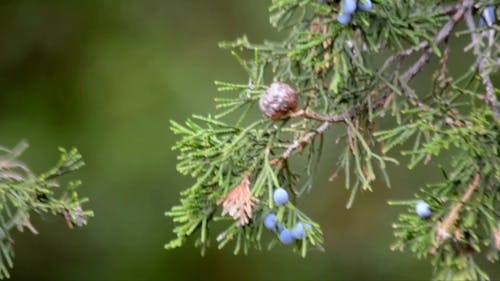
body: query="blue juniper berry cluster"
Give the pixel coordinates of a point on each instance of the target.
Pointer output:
(287, 236)
(349, 7)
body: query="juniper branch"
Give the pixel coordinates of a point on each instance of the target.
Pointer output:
(443, 34)
(331, 66)
(327, 122)
(483, 65)
(22, 193)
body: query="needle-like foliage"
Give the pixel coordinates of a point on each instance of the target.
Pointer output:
(357, 73)
(24, 193)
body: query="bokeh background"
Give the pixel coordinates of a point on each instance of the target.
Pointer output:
(106, 77)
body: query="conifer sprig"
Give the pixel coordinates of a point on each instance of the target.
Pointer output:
(23, 193)
(356, 73)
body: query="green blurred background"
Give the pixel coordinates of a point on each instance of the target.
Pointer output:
(106, 77)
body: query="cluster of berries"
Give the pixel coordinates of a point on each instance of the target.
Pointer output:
(349, 7)
(271, 222)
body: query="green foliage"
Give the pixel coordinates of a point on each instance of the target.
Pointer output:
(218, 156)
(23, 193)
(358, 77)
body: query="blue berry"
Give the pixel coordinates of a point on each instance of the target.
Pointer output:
(270, 221)
(344, 18)
(286, 237)
(489, 16)
(280, 196)
(349, 6)
(365, 5)
(423, 210)
(299, 232)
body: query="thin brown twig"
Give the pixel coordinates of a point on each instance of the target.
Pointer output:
(443, 73)
(307, 138)
(328, 121)
(323, 118)
(443, 230)
(299, 143)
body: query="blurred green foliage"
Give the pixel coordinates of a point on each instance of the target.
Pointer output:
(106, 77)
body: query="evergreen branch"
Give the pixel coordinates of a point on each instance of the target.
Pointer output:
(332, 77)
(483, 66)
(443, 35)
(22, 193)
(444, 227)
(328, 120)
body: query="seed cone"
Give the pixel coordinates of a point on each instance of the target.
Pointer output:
(279, 101)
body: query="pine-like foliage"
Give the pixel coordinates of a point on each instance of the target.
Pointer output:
(357, 76)
(23, 193)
